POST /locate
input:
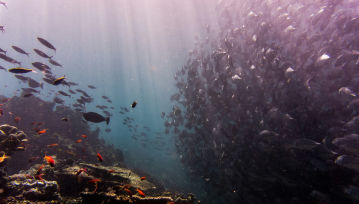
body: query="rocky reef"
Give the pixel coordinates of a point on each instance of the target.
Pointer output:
(71, 182)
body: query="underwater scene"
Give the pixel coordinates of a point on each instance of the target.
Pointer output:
(179, 101)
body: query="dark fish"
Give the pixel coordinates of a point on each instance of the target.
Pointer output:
(27, 95)
(4, 4)
(133, 105)
(64, 93)
(9, 59)
(47, 80)
(30, 90)
(46, 43)
(58, 100)
(42, 54)
(95, 117)
(40, 66)
(21, 77)
(70, 83)
(19, 70)
(3, 51)
(3, 68)
(71, 91)
(19, 50)
(2, 29)
(163, 115)
(53, 62)
(107, 130)
(64, 119)
(91, 87)
(34, 84)
(105, 97)
(58, 80)
(109, 101)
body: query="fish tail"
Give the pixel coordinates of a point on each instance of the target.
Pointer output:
(107, 120)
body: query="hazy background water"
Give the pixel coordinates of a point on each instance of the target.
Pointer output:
(128, 49)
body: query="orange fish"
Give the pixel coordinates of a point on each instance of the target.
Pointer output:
(79, 141)
(128, 191)
(140, 192)
(143, 178)
(50, 161)
(84, 136)
(17, 119)
(39, 177)
(28, 176)
(3, 157)
(94, 180)
(40, 169)
(52, 145)
(111, 171)
(99, 157)
(170, 202)
(41, 131)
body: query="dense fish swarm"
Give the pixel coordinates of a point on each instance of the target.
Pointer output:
(267, 107)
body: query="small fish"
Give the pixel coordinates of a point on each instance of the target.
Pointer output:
(128, 191)
(133, 105)
(19, 70)
(50, 160)
(58, 80)
(91, 87)
(53, 62)
(24, 140)
(140, 192)
(33, 83)
(4, 4)
(347, 91)
(46, 43)
(143, 178)
(19, 50)
(64, 119)
(17, 119)
(27, 95)
(20, 148)
(40, 169)
(40, 132)
(111, 171)
(52, 145)
(42, 54)
(32, 159)
(84, 136)
(79, 141)
(94, 180)
(40, 66)
(3, 157)
(64, 93)
(3, 51)
(95, 117)
(99, 157)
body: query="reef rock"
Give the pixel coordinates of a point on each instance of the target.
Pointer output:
(11, 138)
(23, 187)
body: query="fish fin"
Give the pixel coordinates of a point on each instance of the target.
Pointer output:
(107, 120)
